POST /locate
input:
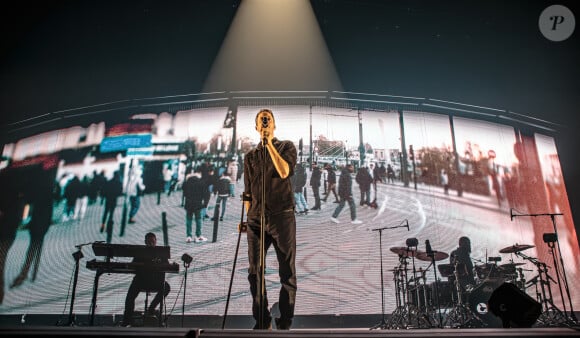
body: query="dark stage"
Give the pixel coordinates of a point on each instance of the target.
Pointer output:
(349, 326)
(305, 333)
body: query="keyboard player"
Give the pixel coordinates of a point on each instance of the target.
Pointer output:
(146, 281)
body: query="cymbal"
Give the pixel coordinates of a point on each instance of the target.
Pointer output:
(403, 251)
(437, 255)
(516, 248)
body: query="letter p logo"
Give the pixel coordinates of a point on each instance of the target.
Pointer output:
(557, 23)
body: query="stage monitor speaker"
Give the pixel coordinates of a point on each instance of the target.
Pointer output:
(514, 307)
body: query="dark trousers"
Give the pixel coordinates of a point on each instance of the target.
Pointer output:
(135, 289)
(108, 219)
(340, 206)
(331, 188)
(135, 204)
(316, 193)
(280, 231)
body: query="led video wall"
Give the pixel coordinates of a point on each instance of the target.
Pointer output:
(443, 177)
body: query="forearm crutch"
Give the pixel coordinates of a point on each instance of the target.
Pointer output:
(242, 227)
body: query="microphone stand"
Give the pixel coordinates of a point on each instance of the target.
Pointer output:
(431, 254)
(556, 267)
(262, 273)
(186, 266)
(77, 255)
(383, 324)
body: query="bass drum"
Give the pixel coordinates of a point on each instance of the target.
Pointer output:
(478, 298)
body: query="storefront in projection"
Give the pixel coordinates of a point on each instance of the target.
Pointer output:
(505, 192)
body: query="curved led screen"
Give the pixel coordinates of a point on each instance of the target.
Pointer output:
(463, 177)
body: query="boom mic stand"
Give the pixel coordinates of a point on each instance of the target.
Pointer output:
(383, 324)
(242, 228)
(556, 267)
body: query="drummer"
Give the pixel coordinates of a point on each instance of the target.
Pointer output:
(461, 259)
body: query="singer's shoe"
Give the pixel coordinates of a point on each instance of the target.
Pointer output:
(267, 325)
(283, 324)
(334, 220)
(356, 221)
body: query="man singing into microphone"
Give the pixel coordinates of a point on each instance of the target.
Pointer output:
(274, 160)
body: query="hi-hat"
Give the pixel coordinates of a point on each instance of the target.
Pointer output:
(437, 255)
(404, 251)
(516, 248)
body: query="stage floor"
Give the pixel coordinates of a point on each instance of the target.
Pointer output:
(43, 331)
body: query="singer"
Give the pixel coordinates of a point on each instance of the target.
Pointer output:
(276, 162)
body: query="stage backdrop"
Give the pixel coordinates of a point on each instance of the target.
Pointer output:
(54, 210)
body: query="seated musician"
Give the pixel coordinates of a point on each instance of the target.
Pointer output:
(460, 259)
(146, 281)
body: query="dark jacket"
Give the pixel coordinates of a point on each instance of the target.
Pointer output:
(331, 176)
(345, 184)
(113, 189)
(364, 179)
(194, 190)
(315, 178)
(279, 195)
(299, 178)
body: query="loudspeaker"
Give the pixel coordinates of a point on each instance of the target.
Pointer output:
(514, 307)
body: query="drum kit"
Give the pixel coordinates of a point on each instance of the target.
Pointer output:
(446, 303)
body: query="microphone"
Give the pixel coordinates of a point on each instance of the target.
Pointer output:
(407, 224)
(511, 214)
(428, 248)
(265, 121)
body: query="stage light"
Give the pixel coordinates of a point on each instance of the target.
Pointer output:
(273, 45)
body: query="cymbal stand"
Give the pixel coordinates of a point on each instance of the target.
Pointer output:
(461, 315)
(521, 279)
(552, 244)
(428, 309)
(534, 282)
(431, 254)
(398, 309)
(397, 318)
(414, 311)
(552, 315)
(556, 243)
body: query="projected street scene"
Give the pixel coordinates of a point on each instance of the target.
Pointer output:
(443, 177)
